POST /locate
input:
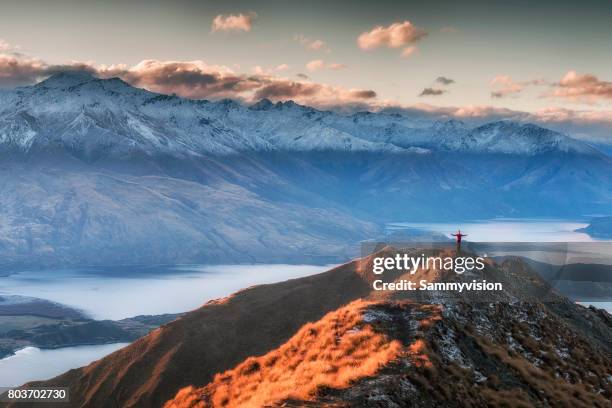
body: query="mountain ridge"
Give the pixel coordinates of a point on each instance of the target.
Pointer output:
(97, 96)
(97, 172)
(233, 336)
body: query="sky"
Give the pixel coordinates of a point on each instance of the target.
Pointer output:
(545, 61)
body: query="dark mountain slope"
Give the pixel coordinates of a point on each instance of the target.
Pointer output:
(547, 340)
(213, 338)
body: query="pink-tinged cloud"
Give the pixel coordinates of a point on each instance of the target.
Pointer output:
(317, 65)
(314, 94)
(396, 35)
(336, 66)
(582, 87)
(282, 67)
(4, 46)
(233, 22)
(197, 80)
(19, 71)
(191, 79)
(409, 51)
(504, 86)
(310, 44)
(259, 70)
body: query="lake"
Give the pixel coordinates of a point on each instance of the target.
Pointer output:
(31, 363)
(582, 247)
(117, 293)
(508, 230)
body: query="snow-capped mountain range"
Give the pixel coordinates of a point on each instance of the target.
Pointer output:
(79, 111)
(95, 171)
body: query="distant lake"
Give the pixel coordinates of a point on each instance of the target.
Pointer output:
(117, 293)
(586, 249)
(600, 305)
(31, 363)
(507, 230)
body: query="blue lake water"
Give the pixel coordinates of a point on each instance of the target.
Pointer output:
(508, 230)
(31, 363)
(117, 293)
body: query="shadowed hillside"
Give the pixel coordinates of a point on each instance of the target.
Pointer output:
(246, 349)
(333, 352)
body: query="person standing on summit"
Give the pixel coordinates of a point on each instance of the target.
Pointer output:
(458, 237)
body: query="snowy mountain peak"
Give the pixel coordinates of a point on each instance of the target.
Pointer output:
(262, 105)
(524, 138)
(75, 108)
(66, 79)
(449, 125)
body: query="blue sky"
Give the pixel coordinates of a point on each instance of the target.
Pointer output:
(548, 60)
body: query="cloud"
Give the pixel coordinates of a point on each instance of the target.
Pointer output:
(286, 90)
(197, 80)
(582, 87)
(314, 94)
(364, 94)
(507, 87)
(20, 71)
(589, 125)
(336, 66)
(4, 46)
(259, 70)
(397, 35)
(232, 22)
(191, 79)
(310, 44)
(317, 65)
(432, 92)
(444, 80)
(409, 51)
(17, 69)
(282, 67)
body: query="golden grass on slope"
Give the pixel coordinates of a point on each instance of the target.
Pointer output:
(188, 397)
(332, 352)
